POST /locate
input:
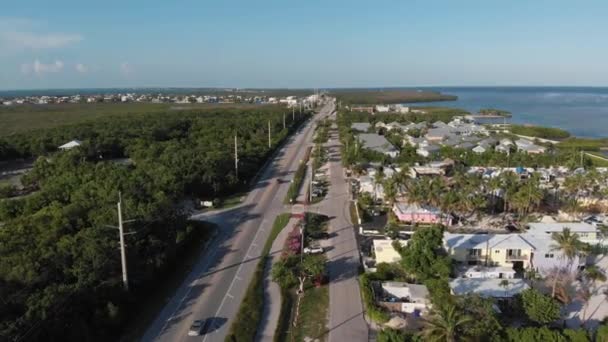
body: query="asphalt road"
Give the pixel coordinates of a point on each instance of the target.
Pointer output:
(346, 316)
(216, 285)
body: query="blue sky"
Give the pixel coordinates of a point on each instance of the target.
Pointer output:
(70, 44)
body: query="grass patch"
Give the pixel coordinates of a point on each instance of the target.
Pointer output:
(284, 324)
(353, 213)
(312, 322)
(540, 132)
(298, 179)
(374, 312)
(152, 300)
(597, 159)
(248, 318)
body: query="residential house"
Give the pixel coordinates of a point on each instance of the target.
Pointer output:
(378, 143)
(510, 250)
(438, 134)
(416, 213)
(369, 109)
(427, 150)
(546, 258)
(420, 171)
(384, 251)
(360, 126)
(586, 232)
(401, 109)
(367, 184)
(488, 288)
(403, 297)
(527, 146)
(479, 149)
(381, 109)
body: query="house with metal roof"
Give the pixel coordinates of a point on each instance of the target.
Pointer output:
(360, 126)
(378, 143)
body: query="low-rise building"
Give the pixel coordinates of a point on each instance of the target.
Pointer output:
(384, 251)
(360, 126)
(416, 213)
(378, 143)
(509, 250)
(403, 297)
(527, 146)
(427, 150)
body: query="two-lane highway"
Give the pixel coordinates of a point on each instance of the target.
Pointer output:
(216, 285)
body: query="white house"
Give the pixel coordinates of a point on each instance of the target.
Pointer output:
(412, 297)
(382, 109)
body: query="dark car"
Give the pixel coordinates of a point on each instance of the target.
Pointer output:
(196, 329)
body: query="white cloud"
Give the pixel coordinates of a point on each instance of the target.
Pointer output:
(81, 68)
(126, 68)
(20, 34)
(39, 68)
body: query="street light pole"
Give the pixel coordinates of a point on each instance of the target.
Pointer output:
(269, 141)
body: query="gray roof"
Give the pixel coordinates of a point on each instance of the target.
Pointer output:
(361, 126)
(376, 142)
(439, 132)
(483, 241)
(466, 145)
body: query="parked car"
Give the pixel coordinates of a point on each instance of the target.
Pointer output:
(196, 329)
(313, 250)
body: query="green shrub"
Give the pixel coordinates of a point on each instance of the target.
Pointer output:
(375, 313)
(248, 318)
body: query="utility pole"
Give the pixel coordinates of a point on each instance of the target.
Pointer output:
(293, 114)
(269, 141)
(582, 154)
(310, 186)
(283, 120)
(236, 158)
(123, 252)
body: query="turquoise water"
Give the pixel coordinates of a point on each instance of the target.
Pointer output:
(581, 111)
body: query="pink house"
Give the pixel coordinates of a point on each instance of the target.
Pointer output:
(415, 213)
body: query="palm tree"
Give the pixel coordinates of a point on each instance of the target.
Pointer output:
(378, 179)
(509, 181)
(591, 274)
(494, 185)
(390, 191)
(445, 324)
(569, 245)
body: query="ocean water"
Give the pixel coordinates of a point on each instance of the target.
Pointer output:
(581, 111)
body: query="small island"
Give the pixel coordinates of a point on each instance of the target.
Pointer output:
(493, 112)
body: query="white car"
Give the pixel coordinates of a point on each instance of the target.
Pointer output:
(313, 250)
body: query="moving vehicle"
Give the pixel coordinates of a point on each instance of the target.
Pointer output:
(196, 329)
